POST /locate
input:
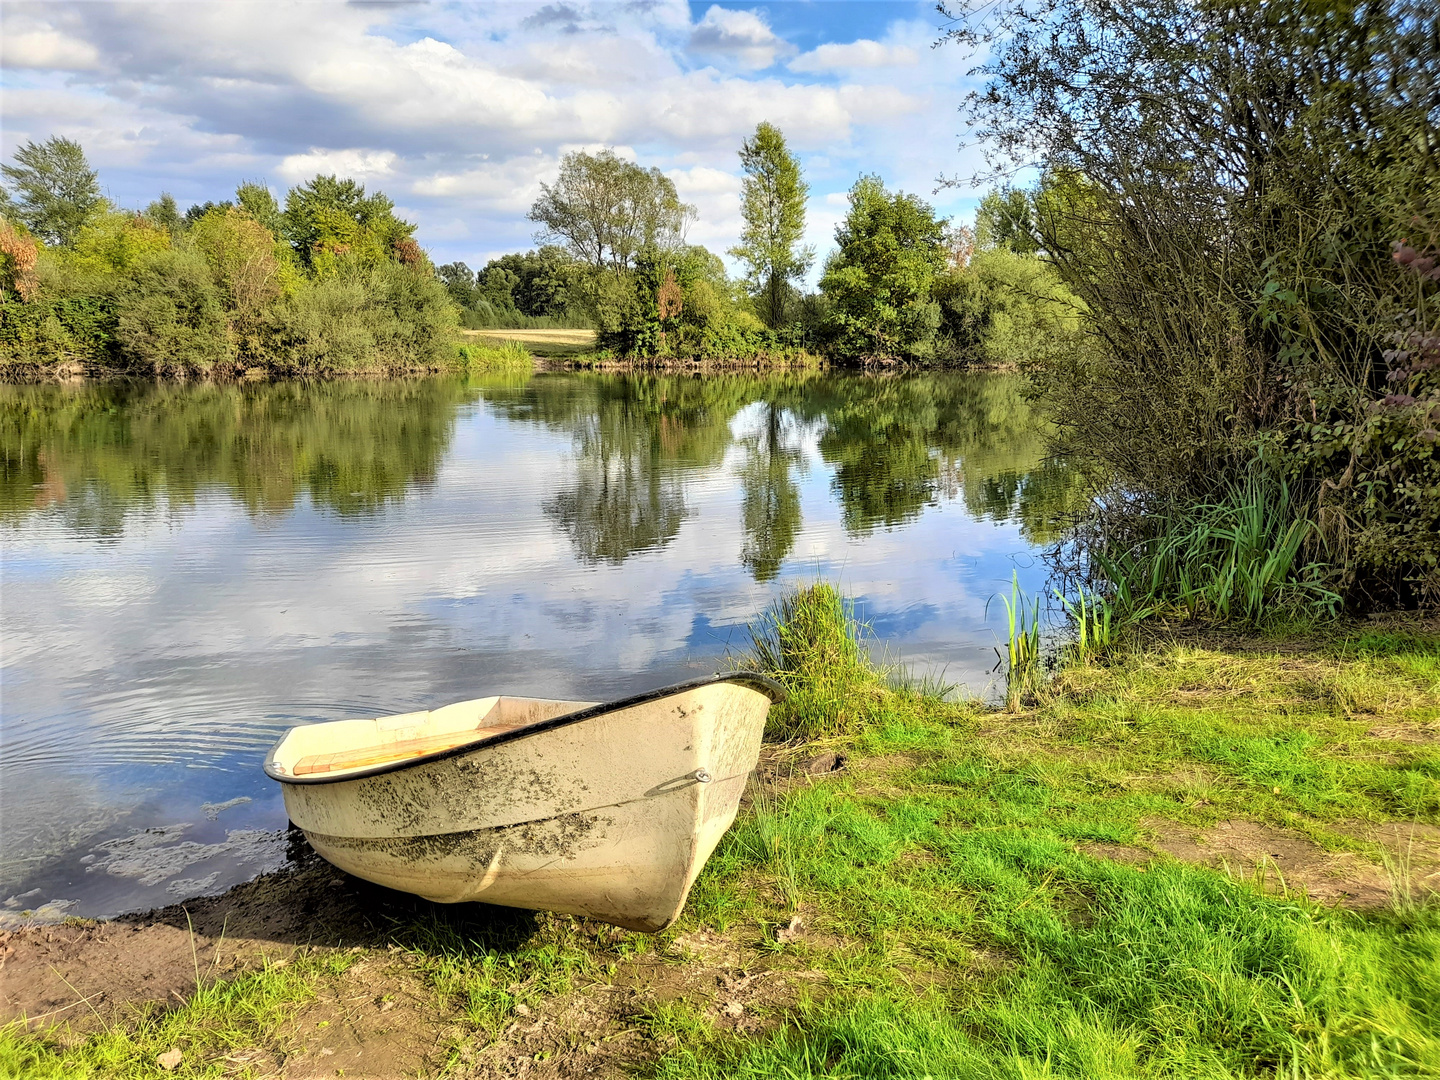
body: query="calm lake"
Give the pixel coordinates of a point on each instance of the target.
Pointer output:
(188, 570)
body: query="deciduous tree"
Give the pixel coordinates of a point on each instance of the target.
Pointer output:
(890, 247)
(606, 210)
(773, 202)
(53, 188)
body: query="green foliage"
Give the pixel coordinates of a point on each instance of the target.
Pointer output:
(260, 203)
(1237, 274)
(168, 315)
(114, 243)
(51, 189)
(809, 642)
(1003, 307)
(332, 222)
(673, 304)
(1240, 557)
(57, 330)
(879, 280)
(250, 278)
(544, 280)
(772, 201)
(165, 215)
(358, 317)
(607, 210)
(537, 290)
(218, 290)
(1005, 221)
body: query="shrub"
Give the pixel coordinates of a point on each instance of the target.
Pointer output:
(168, 315)
(242, 257)
(1237, 275)
(1005, 308)
(384, 316)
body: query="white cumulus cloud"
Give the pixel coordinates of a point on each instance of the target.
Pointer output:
(856, 54)
(743, 36)
(360, 164)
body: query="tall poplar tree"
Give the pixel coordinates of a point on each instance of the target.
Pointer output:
(773, 202)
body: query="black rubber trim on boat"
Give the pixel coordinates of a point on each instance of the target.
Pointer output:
(753, 679)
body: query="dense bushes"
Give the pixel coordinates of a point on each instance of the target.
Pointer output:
(341, 286)
(676, 304)
(537, 289)
(1004, 308)
(1243, 196)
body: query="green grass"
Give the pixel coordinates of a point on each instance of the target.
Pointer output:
(979, 939)
(481, 966)
(219, 1018)
(496, 356)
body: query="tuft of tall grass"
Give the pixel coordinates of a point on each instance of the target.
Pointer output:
(501, 356)
(810, 642)
(1238, 558)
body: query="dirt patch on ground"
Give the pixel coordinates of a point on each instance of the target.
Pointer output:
(380, 1017)
(606, 1028)
(1280, 859)
(79, 972)
(375, 1021)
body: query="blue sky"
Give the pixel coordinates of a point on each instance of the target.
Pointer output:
(460, 111)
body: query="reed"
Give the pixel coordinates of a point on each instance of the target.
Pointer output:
(1096, 625)
(1238, 558)
(499, 356)
(1022, 645)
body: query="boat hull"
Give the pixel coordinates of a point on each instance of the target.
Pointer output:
(609, 815)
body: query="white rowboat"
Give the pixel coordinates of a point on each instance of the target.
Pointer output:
(603, 810)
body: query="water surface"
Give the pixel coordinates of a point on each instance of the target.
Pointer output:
(189, 570)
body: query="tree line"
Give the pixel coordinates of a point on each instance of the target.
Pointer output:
(902, 285)
(330, 280)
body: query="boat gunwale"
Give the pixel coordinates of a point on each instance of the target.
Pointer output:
(752, 679)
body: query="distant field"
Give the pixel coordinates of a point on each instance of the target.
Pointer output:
(541, 342)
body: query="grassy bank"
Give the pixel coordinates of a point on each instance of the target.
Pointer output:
(1207, 856)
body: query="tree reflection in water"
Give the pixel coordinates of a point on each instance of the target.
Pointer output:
(97, 452)
(893, 446)
(896, 445)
